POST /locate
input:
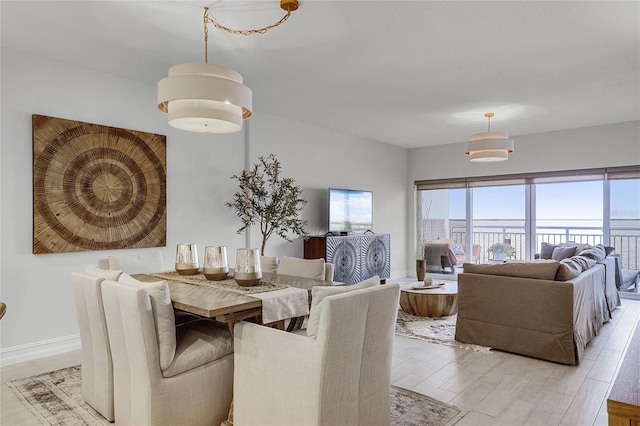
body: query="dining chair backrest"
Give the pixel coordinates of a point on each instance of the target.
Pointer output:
(343, 376)
(307, 268)
(97, 366)
(356, 336)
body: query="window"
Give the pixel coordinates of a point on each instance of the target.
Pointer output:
(624, 228)
(594, 206)
(569, 212)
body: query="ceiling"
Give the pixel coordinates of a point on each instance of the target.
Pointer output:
(406, 73)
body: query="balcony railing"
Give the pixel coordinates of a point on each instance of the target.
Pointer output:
(625, 240)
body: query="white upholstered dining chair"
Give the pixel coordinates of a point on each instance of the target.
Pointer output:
(165, 375)
(307, 268)
(341, 377)
(97, 368)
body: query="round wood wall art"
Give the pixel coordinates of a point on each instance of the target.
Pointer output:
(96, 187)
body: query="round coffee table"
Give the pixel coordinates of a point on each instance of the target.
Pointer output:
(436, 302)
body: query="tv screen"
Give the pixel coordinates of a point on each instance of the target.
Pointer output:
(350, 210)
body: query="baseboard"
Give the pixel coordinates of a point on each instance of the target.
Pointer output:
(629, 295)
(17, 354)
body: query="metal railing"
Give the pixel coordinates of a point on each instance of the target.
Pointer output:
(625, 240)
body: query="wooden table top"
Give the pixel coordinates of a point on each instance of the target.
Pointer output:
(213, 302)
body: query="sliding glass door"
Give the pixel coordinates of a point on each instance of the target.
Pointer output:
(594, 206)
(499, 216)
(569, 212)
(624, 229)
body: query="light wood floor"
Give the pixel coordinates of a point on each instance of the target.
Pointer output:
(496, 388)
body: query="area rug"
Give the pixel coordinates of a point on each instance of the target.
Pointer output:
(55, 398)
(435, 330)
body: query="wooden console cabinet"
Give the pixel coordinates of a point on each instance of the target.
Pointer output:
(354, 257)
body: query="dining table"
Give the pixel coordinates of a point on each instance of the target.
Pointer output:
(274, 300)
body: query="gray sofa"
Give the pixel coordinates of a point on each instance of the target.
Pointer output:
(546, 309)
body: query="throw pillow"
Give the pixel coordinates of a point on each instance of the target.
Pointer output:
(597, 253)
(546, 250)
(560, 253)
(568, 269)
(163, 315)
(306, 268)
(457, 249)
(269, 264)
(318, 293)
(107, 274)
(138, 263)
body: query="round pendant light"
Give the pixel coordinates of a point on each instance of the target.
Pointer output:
(208, 98)
(489, 146)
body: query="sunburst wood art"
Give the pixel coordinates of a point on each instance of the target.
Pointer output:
(96, 187)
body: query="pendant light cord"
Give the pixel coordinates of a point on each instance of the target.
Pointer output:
(289, 6)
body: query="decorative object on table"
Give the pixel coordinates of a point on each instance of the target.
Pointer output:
(96, 187)
(270, 200)
(247, 272)
(502, 251)
(489, 146)
(40, 394)
(208, 98)
(423, 222)
(215, 266)
(187, 259)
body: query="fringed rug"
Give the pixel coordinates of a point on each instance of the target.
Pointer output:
(435, 330)
(55, 398)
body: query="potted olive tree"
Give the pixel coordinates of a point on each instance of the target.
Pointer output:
(267, 199)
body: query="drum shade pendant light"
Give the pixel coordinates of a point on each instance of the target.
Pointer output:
(207, 98)
(489, 146)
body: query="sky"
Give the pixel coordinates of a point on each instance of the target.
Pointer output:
(554, 201)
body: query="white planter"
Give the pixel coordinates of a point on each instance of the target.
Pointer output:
(500, 256)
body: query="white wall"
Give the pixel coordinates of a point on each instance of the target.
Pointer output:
(590, 147)
(41, 317)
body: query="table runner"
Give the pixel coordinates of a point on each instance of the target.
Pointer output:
(228, 284)
(279, 302)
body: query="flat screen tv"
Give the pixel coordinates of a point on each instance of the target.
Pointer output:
(350, 210)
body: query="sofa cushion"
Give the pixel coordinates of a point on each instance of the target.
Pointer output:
(546, 250)
(318, 293)
(572, 267)
(579, 247)
(597, 253)
(163, 313)
(568, 269)
(543, 269)
(560, 253)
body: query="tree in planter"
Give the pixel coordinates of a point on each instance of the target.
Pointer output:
(268, 199)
